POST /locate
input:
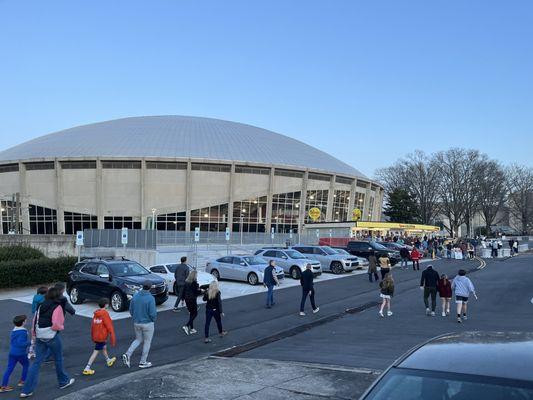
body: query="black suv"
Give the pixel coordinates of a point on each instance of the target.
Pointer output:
(117, 280)
(364, 249)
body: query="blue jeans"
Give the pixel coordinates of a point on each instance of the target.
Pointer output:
(270, 296)
(41, 349)
(448, 254)
(12, 363)
(404, 262)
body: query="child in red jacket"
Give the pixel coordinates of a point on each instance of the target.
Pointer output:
(444, 287)
(101, 329)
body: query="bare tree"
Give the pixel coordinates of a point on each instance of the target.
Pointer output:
(493, 190)
(520, 200)
(418, 175)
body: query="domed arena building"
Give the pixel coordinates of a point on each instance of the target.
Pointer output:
(176, 173)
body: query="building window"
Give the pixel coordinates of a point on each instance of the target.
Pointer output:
(211, 167)
(75, 222)
(121, 222)
(78, 164)
(285, 212)
(165, 165)
(370, 207)
(341, 200)
(9, 168)
(171, 222)
(362, 184)
(43, 221)
(249, 215)
(318, 199)
(121, 164)
(8, 211)
(252, 170)
(288, 173)
(359, 202)
(210, 219)
(319, 177)
(343, 180)
(39, 165)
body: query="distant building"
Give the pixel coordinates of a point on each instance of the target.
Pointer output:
(186, 172)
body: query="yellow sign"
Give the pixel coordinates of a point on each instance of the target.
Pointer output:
(314, 213)
(393, 225)
(356, 214)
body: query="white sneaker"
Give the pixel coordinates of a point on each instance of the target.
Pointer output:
(126, 360)
(389, 313)
(381, 314)
(145, 364)
(465, 317)
(192, 331)
(66, 385)
(316, 310)
(302, 314)
(432, 313)
(186, 330)
(443, 314)
(428, 311)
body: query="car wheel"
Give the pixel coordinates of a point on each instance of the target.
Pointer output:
(296, 273)
(117, 302)
(75, 297)
(336, 268)
(216, 274)
(252, 279)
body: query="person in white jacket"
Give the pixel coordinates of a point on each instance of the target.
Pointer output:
(463, 287)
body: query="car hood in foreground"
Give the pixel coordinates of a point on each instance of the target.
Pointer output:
(140, 279)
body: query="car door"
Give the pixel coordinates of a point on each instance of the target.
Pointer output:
(308, 251)
(283, 261)
(224, 266)
(86, 277)
(239, 269)
(271, 255)
(102, 286)
(321, 256)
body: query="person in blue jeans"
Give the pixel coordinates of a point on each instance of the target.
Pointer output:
(47, 324)
(269, 281)
(18, 353)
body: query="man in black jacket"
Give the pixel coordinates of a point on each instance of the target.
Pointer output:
(308, 289)
(428, 283)
(180, 275)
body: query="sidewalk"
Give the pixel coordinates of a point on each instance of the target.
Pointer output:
(232, 378)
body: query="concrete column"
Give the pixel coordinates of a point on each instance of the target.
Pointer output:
(188, 181)
(303, 199)
(24, 200)
(351, 202)
(60, 208)
(366, 217)
(99, 194)
(329, 210)
(231, 197)
(142, 212)
(270, 196)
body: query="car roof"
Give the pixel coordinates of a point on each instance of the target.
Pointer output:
(495, 354)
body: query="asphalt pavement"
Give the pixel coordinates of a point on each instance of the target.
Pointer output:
(356, 338)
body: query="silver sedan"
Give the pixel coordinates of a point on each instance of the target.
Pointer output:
(241, 268)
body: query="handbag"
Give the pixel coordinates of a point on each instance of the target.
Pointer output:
(43, 333)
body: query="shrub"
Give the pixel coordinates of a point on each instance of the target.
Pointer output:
(38, 271)
(10, 253)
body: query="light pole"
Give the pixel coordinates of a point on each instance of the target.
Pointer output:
(153, 218)
(1, 220)
(241, 226)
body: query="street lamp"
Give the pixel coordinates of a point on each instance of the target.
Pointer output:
(241, 221)
(153, 217)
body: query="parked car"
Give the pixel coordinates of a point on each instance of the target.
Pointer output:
(117, 280)
(329, 258)
(245, 268)
(293, 262)
(395, 246)
(475, 365)
(363, 262)
(166, 271)
(361, 248)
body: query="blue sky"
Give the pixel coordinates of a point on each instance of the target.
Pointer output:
(367, 81)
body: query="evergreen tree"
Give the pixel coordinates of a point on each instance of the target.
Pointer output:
(401, 207)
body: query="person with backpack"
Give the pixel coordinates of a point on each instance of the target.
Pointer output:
(48, 322)
(213, 309)
(191, 293)
(386, 292)
(444, 287)
(180, 275)
(463, 287)
(428, 283)
(269, 281)
(101, 329)
(308, 289)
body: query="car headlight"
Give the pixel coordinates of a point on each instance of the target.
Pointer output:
(133, 288)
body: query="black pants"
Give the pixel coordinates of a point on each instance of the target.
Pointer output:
(384, 271)
(192, 307)
(430, 291)
(416, 265)
(311, 294)
(180, 288)
(210, 313)
(375, 276)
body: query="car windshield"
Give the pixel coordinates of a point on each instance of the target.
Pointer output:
(342, 251)
(429, 385)
(294, 254)
(127, 269)
(254, 260)
(377, 246)
(329, 251)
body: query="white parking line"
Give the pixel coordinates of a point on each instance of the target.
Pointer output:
(229, 290)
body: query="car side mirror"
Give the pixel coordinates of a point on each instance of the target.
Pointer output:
(369, 249)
